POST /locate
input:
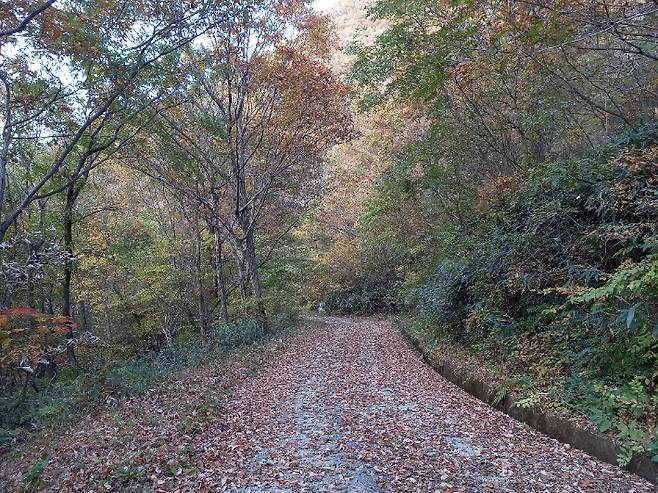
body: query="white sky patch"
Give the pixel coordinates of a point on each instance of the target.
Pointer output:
(324, 5)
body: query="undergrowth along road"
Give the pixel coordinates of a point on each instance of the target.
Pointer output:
(342, 405)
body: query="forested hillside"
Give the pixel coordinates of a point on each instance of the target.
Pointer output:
(514, 216)
(179, 180)
(155, 159)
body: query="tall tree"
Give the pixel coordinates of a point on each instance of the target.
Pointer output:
(92, 61)
(262, 110)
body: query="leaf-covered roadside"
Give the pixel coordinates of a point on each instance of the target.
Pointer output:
(550, 397)
(346, 405)
(555, 277)
(120, 394)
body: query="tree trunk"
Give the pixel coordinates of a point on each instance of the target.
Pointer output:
(68, 247)
(252, 265)
(219, 276)
(71, 196)
(87, 323)
(32, 250)
(6, 140)
(243, 274)
(48, 308)
(201, 299)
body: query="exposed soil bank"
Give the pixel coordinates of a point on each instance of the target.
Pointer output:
(595, 444)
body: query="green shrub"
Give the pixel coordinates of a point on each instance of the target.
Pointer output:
(563, 286)
(31, 480)
(365, 297)
(238, 334)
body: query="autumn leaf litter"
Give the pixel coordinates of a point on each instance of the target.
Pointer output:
(344, 405)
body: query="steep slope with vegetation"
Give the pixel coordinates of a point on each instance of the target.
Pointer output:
(561, 288)
(517, 220)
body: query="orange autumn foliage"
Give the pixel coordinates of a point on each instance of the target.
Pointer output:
(29, 337)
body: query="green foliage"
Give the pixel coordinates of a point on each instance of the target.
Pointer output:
(411, 60)
(31, 480)
(360, 279)
(153, 300)
(239, 334)
(443, 297)
(563, 287)
(624, 410)
(528, 402)
(366, 297)
(500, 395)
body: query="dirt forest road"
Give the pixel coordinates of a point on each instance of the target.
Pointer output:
(346, 406)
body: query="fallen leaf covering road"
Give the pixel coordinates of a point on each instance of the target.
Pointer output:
(346, 405)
